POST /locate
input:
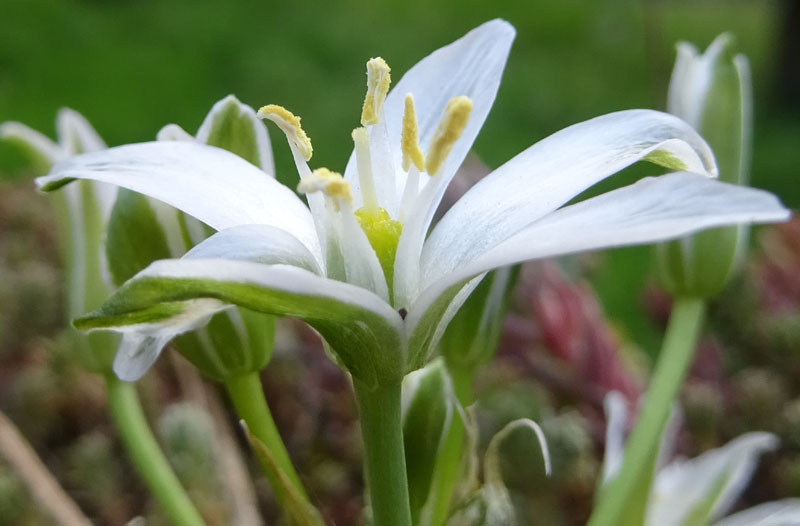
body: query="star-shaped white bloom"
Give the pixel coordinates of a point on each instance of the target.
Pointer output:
(703, 489)
(358, 262)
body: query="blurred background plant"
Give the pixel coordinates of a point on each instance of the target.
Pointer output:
(577, 328)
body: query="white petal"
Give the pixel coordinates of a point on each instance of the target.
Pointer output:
(407, 258)
(471, 66)
(653, 209)
(616, 409)
(141, 344)
(678, 96)
(778, 513)
(172, 296)
(173, 132)
(550, 173)
(681, 486)
(39, 143)
(215, 186)
(75, 134)
(258, 243)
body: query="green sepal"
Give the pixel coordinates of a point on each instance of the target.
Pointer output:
(134, 238)
(699, 266)
(235, 342)
(19, 157)
(232, 128)
(472, 336)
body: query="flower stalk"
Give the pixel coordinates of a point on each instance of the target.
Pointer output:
(247, 396)
(614, 500)
(146, 454)
(384, 456)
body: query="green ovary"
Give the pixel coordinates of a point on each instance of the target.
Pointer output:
(383, 233)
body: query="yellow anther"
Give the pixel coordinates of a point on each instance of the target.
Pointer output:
(410, 138)
(378, 81)
(450, 129)
(329, 182)
(289, 123)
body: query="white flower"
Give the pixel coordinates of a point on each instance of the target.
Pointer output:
(702, 489)
(357, 263)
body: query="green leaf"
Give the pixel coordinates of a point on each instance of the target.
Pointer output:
(491, 505)
(299, 510)
(135, 238)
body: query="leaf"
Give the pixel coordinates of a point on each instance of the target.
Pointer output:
(491, 505)
(299, 511)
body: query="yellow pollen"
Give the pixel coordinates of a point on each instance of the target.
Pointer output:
(450, 129)
(289, 123)
(378, 81)
(410, 138)
(329, 182)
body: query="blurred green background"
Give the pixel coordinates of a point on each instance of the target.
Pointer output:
(132, 66)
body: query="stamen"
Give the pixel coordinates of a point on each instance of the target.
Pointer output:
(329, 182)
(450, 129)
(410, 137)
(378, 81)
(289, 123)
(364, 165)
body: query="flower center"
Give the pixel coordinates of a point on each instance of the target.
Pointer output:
(383, 233)
(373, 150)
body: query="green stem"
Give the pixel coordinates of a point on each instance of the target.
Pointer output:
(616, 504)
(448, 465)
(247, 395)
(146, 454)
(384, 455)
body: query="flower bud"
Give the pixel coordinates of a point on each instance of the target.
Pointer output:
(712, 92)
(472, 337)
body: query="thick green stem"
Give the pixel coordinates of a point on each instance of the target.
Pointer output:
(616, 506)
(384, 455)
(448, 465)
(146, 454)
(247, 395)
